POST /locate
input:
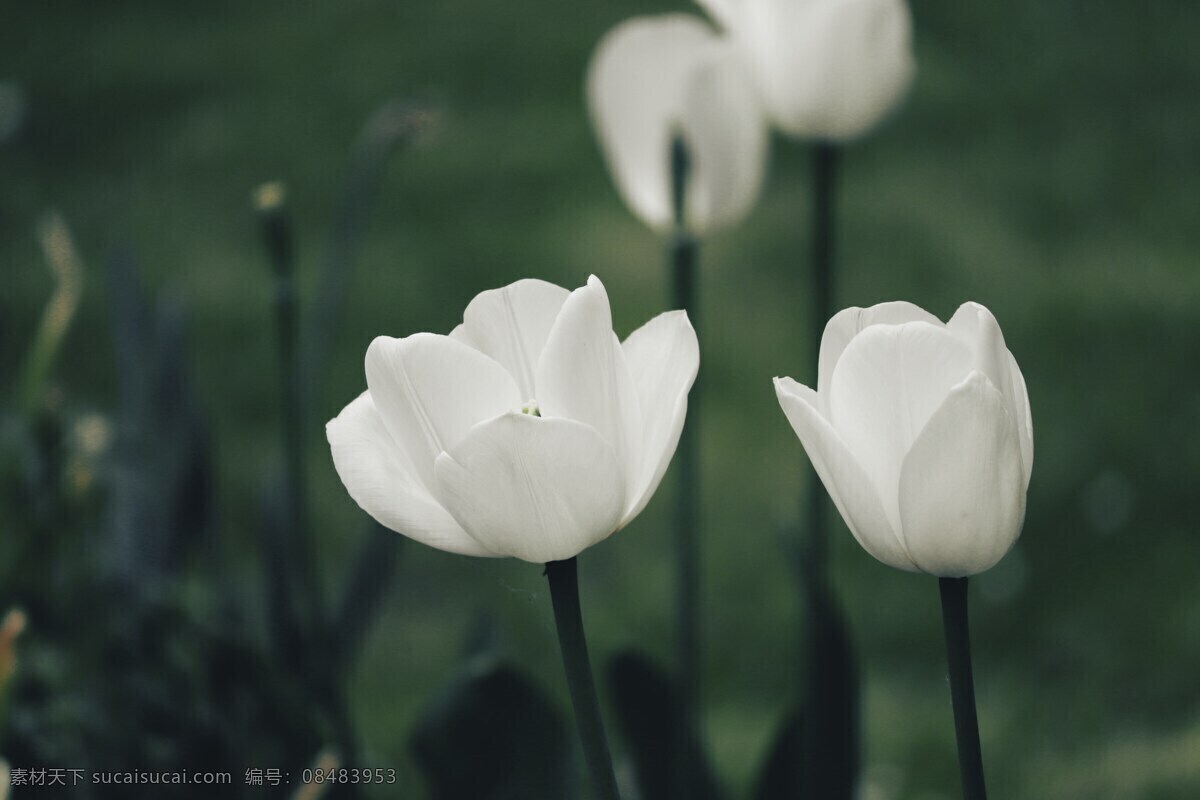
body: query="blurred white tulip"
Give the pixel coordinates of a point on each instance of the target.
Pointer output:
(921, 433)
(654, 78)
(530, 431)
(827, 69)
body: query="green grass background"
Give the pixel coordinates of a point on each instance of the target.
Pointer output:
(1047, 164)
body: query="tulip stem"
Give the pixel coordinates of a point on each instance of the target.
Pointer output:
(682, 260)
(962, 686)
(824, 166)
(568, 619)
(300, 589)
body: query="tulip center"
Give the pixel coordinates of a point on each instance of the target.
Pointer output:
(531, 407)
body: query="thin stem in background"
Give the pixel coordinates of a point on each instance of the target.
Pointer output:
(277, 235)
(825, 163)
(962, 686)
(568, 619)
(682, 261)
(299, 590)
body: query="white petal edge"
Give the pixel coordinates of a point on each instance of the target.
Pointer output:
(725, 132)
(375, 473)
(888, 383)
(533, 488)
(430, 390)
(511, 324)
(722, 11)
(583, 376)
(850, 322)
(663, 357)
(962, 487)
(635, 86)
(977, 327)
(830, 69)
(848, 485)
(1024, 418)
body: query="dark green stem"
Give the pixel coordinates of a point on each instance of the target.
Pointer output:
(962, 686)
(825, 162)
(309, 635)
(564, 594)
(277, 235)
(683, 253)
(682, 260)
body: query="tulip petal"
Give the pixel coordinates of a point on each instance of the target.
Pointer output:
(829, 69)
(978, 329)
(848, 485)
(722, 11)
(378, 477)
(850, 322)
(887, 384)
(726, 136)
(962, 487)
(648, 81)
(663, 357)
(582, 375)
(430, 390)
(1023, 418)
(533, 488)
(511, 325)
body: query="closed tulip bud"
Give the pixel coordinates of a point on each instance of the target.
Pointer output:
(921, 433)
(653, 79)
(827, 69)
(530, 431)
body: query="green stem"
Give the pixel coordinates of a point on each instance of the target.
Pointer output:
(277, 236)
(825, 163)
(687, 513)
(962, 686)
(564, 595)
(682, 261)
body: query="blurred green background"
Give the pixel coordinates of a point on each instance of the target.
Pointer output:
(1046, 165)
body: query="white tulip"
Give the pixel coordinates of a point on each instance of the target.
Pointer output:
(530, 431)
(921, 433)
(652, 78)
(827, 69)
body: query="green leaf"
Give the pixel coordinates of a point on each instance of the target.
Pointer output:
(667, 754)
(816, 752)
(831, 711)
(783, 773)
(492, 734)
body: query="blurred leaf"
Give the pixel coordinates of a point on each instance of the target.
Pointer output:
(66, 267)
(161, 478)
(668, 757)
(783, 773)
(831, 706)
(816, 752)
(494, 735)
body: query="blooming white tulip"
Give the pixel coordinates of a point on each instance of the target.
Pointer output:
(921, 433)
(530, 431)
(828, 69)
(652, 78)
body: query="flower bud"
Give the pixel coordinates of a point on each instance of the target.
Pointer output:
(827, 69)
(655, 80)
(921, 433)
